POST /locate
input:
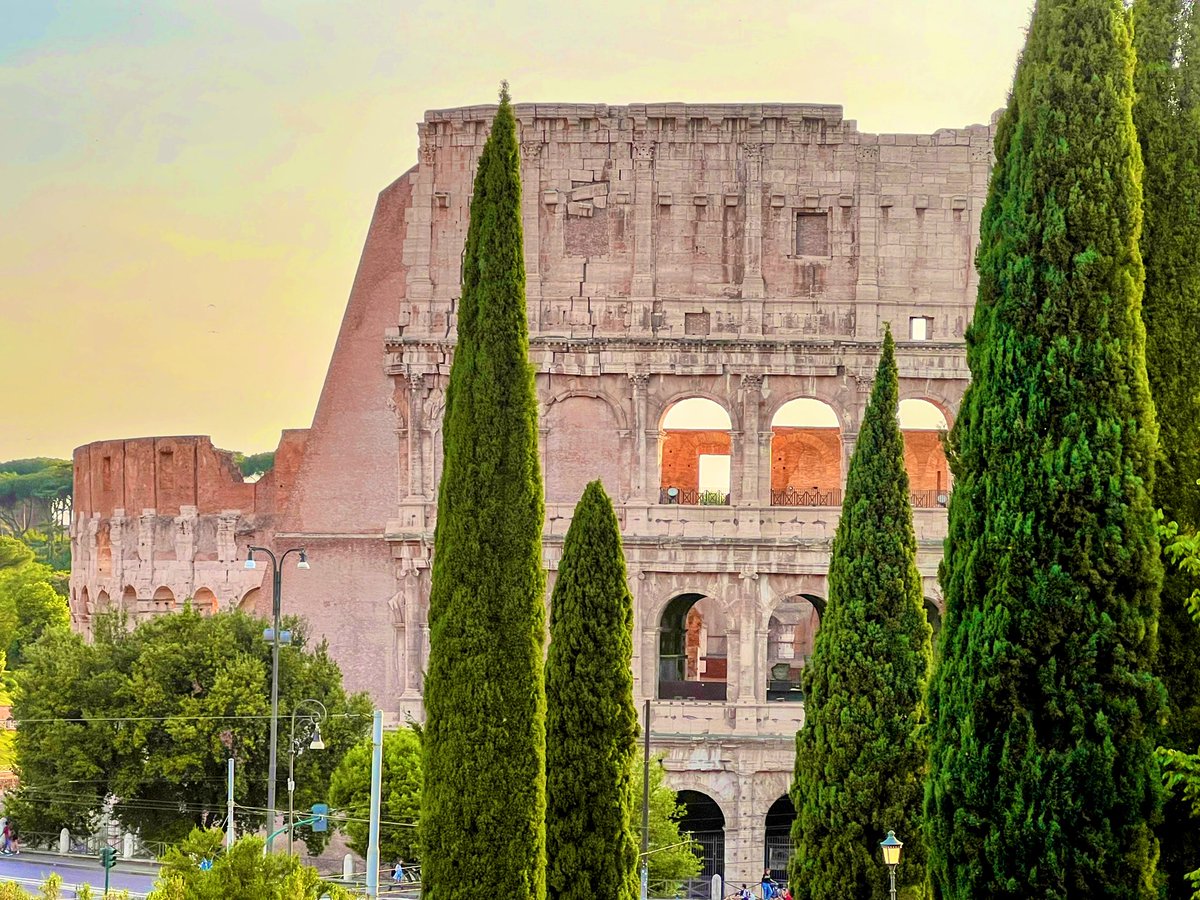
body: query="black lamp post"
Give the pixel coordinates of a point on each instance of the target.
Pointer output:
(891, 857)
(277, 567)
(315, 716)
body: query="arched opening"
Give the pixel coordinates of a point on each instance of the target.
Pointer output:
(778, 844)
(922, 424)
(129, 600)
(205, 601)
(790, 635)
(694, 453)
(806, 455)
(249, 602)
(103, 602)
(85, 605)
(693, 661)
(582, 437)
(164, 600)
(703, 820)
(934, 616)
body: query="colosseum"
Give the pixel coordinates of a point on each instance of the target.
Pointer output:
(707, 290)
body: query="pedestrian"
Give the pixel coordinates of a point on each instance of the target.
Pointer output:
(4, 846)
(13, 837)
(398, 872)
(768, 885)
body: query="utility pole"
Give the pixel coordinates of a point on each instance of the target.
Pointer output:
(229, 835)
(376, 788)
(646, 800)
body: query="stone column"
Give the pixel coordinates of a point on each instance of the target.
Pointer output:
(749, 651)
(641, 475)
(531, 199)
(642, 291)
(416, 434)
(418, 238)
(743, 836)
(753, 286)
(751, 457)
(116, 541)
(866, 291)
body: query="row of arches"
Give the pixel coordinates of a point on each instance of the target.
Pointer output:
(806, 454)
(693, 645)
(704, 820)
(163, 600)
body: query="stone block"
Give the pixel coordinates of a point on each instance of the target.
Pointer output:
(589, 191)
(579, 209)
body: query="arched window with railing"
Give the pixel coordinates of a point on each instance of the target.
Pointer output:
(923, 426)
(806, 455)
(694, 453)
(791, 631)
(693, 658)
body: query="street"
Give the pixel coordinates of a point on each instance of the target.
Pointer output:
(73, 871)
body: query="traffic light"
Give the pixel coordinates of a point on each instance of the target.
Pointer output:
(108, 857)
(320, 813)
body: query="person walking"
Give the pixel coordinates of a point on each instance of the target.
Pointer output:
(769, 891)
(398, 872)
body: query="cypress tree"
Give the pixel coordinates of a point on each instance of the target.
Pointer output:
(1043, 780)
(483, 802)
(591, 722)
(862, 753)
(1167, 116)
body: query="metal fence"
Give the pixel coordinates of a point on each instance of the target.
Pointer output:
(790, 496)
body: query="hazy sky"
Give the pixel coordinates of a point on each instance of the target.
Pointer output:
(185, 186)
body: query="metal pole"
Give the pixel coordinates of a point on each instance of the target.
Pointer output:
(292, 784)
(275, 601)
(229, 833)
(645, 799)
(376, 785)
(892, 874)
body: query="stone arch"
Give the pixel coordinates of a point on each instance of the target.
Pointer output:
(693, 652)
(923, 423)
(665, 404)
(85, 604)
(129, 599)
(704, 820)
(806, 454)
(205, 601)
(103, 601)
(933, 614)
(777, 845)
(614, 405)
(249, 602)
(164, 600)
(791, 630)
(581, 442)
(695, 451)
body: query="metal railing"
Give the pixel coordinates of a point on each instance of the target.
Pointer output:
(935, 499)
(692, 497)
(814, 496)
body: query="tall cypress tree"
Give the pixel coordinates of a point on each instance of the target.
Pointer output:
(1043, 707)
(862, 753)
(483, 803)
(591, 722)
(1167, 115)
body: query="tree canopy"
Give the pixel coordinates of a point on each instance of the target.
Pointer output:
(400, 796)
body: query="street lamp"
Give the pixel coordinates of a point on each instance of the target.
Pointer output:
(277, 573)
(891, 857)
(315, 719)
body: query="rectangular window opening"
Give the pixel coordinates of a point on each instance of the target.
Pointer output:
(812, 234)
(920, 328)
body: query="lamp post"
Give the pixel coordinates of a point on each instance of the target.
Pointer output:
(277, 572)
(891, 857)
(315, 719)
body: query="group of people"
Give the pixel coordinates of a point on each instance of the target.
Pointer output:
(770, 890)
(8, 836)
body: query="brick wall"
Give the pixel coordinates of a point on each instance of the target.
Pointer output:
(681, 452)
(581, 443)
(804, 458)
(925, 461)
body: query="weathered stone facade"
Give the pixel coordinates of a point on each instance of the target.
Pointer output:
(745, 254)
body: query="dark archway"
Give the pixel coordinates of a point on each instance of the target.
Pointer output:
(693, 661)
(703, 820)
(934, 615)
(778, 843)
(790, 635)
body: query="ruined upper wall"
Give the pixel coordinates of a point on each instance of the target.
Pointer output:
(731, 221)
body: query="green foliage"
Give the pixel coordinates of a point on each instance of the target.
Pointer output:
(147, 718)
(400, 796)
(673, 857)
(483, 806)
(591, 722)
(1167, 115)
(1043, 778)
(35, 499)
(242, 871)
(861, 755)
(14, 552)
(255, 463)
(29, 604)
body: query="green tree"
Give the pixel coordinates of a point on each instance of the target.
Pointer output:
(146, 719)
(35, 501)
(1043, 707)
(674, 856)
(29, 604)
(862, 753)
(400, 796)
(591, 722)
(484, 802)
(1167, 115)
(255, 463)
(242, 871)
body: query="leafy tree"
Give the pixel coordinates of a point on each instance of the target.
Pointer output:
(1167, 115)
(484, 802)
(35, 499)
(14, 552)
(29, 604)
(862, 753)
(673, 856)
(1043, 777)
(591, 722)
(400, 796)
(146, 719)
(255, 463)
(242, 871)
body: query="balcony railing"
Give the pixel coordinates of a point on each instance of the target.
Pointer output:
(692, 497)
(790, 496)
(935, 499)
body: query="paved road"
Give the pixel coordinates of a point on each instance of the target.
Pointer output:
(72, 872)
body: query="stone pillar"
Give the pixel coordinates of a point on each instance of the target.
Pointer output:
(742, 836)
(641, 455)
(642, 290)
(753, 286)
(749, 494)
(866, 291)
(531, 198)
(749, 651)
(766, 463)
(416, 435)
(146, 538)
(418, 236)
(116, 542)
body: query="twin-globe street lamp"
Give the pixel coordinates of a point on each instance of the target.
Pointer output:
(276, 566)
(314, 718)
(891, 857)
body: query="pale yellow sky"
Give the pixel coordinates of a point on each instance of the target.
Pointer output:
(184, 190)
